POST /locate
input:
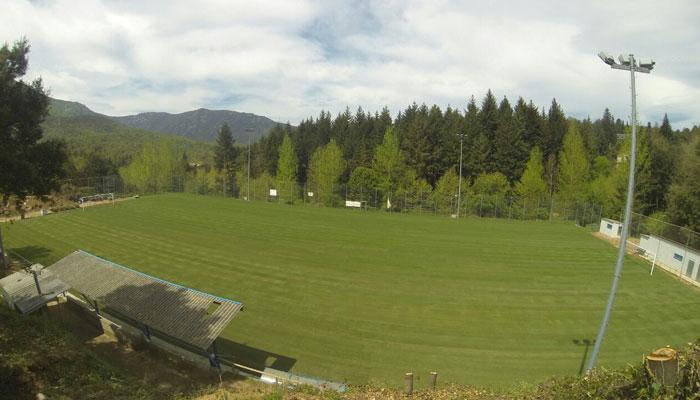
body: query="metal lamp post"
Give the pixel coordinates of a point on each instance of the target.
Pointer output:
(247, 192)
(459, 184)
(626, 64)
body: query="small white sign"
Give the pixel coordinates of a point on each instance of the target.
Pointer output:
(273, 192)
(350, 203)
(310, 194)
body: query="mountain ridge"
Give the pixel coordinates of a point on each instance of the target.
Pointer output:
(200, 124)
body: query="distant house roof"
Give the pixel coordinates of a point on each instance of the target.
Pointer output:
(23, 294)
(195, 317)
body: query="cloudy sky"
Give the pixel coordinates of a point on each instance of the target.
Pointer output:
(290, 59)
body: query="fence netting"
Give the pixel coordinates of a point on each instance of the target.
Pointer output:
(342, 195)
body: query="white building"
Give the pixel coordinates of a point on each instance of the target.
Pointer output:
(610, 227)
(674, 256)
(20, 291)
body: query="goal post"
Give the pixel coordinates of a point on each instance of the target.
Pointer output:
(637, 250)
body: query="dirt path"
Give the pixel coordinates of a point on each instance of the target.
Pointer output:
(37, 213)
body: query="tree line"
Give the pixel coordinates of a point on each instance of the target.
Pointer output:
(520, 151)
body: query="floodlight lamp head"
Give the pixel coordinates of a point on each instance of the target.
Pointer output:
(624, 60)
(607, 58)
(649, 65)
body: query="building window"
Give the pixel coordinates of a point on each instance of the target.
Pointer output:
(610, 226)
(677, 256)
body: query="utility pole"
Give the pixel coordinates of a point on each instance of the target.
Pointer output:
(3, 259)
(626, 64)
(247, 192)
(459, 181)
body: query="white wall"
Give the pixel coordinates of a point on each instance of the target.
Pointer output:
(673, 255)
(610, 227)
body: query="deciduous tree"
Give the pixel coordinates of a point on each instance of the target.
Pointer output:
(287, 166)
(573, 167)
(326, 167)
(388, 163)
(532, 185)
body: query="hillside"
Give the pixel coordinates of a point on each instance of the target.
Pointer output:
(85, 132)
(40, 356)
(63, 108)
(201, 124)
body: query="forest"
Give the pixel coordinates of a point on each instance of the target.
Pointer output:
(520, 151)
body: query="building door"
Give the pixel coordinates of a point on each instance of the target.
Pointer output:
(690, 268)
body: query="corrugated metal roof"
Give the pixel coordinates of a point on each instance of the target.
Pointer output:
(186, 314)
(21, 288)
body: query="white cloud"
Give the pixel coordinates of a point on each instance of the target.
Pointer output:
(289, 59)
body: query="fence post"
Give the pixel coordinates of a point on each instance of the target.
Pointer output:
(408, 380)
(510, 207)
(551, 206)
(433, 380)
(420, 201)
(685, 251)
(639, 226)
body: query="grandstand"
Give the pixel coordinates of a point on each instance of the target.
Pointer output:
(181, 316)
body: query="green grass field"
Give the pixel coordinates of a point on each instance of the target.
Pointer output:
(367, 296)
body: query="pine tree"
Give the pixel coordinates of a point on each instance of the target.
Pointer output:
(510, 150)
(225, 157)
(606, 135)
(684, 195)
(475, 144)
(438, 159)
(28, 164)
(415, 138)
(655, 171)
(447, 151)
(587, 135)
(529, 116)
(665, 130)
(488, 121)
(555, 130)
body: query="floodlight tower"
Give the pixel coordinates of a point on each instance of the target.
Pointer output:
(459, 184)
(626, 64)
(247, 192)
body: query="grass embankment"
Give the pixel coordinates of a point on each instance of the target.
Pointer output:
(38, 356)
(367, 296)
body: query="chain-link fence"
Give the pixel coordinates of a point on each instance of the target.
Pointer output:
(415, 200)
(645, 225)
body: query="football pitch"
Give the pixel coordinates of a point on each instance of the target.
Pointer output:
(356, 296)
